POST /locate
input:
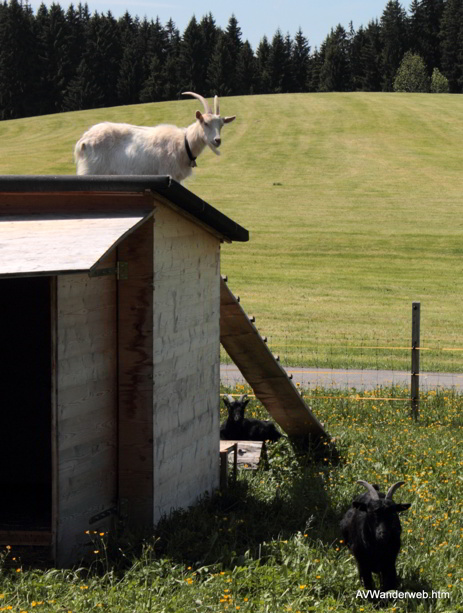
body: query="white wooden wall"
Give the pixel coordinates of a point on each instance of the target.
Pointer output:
(186, 339)
(86, 405)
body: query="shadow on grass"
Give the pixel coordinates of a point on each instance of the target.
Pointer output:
(262, 506)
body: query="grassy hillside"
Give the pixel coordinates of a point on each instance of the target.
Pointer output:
(352, 201)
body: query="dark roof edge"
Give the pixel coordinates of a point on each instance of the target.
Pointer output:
(165, 185)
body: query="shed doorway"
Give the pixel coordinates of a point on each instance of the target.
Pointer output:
(26, 403)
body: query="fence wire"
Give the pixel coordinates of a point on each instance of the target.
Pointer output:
(361, 365)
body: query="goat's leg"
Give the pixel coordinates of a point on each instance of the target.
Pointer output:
(389, 579)
(366, 576)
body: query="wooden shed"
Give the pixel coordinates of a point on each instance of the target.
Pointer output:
(110, 336)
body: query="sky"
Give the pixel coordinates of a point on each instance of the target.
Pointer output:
(256, 18)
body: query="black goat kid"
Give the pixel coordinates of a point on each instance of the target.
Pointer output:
(371, 529)
(239, 428)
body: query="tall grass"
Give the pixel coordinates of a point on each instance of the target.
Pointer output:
(271, 542)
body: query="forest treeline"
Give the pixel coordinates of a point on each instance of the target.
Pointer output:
(63, 60)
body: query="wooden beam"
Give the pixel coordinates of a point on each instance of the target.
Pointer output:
(269, 380)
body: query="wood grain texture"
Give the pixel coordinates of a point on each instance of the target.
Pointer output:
(135, 331)
(86, 407)
(48, 245)
(271, 385)
(186, 359)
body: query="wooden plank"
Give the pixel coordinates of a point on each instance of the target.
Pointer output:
(23, 203)
(135, 372)
(186, 360)
(249, 453)
(271, 385)
(38, 538)
(86, 457)
(49, 245)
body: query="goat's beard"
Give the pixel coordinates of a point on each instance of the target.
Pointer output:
(214, 149)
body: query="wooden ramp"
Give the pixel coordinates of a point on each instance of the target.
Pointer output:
(269, 380)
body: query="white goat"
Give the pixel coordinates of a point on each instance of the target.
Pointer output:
(123, 149)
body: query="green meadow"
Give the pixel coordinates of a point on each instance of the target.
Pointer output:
(271, 542)
(353, 206)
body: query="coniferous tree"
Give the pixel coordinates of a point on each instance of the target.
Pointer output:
(335, 72)
(55, 70)
(316, 61)
(425, 20)
(371, 57)
(278, 64)
(233, 42)
(394, 37)
(191, 63)
(246, 70)
(219, 68)
(19, 74)
(451, 35)
(300, 55)
(84, 91)
(262, 64)
(103, 55)
(210, 34)
(171, 66)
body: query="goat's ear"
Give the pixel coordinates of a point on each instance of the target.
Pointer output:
(361, 506)
(402, 507)
(229, 119)
(226, 402)
(199, 116)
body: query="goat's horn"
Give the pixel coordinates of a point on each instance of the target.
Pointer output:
(216, 106)
(206, 106)
(370, 488)
(393, 488)
(243, 397)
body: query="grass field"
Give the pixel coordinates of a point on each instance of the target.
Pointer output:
(271, 544)
(352, 201)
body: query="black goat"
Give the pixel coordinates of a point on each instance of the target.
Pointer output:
(239, 428)
(371, 529)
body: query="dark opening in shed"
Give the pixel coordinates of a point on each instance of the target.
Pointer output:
(25, 418)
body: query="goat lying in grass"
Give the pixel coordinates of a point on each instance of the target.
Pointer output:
(371, 529)
(239, 428)
(123, 149)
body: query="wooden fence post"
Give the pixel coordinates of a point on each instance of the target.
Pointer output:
(415, 383)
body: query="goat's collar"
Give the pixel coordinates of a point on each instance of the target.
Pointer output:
(189, 153)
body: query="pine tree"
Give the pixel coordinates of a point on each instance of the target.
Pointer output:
(246, 70)
(171, 66)
(425, 22)
(371, 58)
(19, 73)
(53, 37)
(300, 61)
(233, 42)
(84, 91)
(103, 55)
(218, 75)
(316, 61)
(278, 64)
(191, 63)
(262, 67)
(451, 35)
(394, 37)
(335, 74)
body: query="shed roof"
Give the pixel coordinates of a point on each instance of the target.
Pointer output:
(51, 224)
